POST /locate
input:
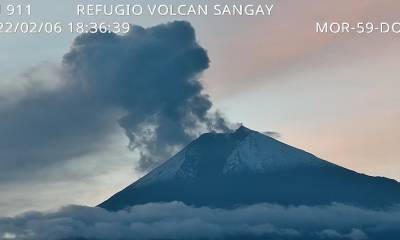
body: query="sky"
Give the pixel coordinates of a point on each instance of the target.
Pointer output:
(332, 95)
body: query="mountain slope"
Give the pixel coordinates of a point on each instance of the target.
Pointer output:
(246, 167)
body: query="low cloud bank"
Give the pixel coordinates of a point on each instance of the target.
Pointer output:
(176, 220)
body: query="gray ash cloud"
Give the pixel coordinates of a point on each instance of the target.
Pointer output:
(146, 81)
(153, 76)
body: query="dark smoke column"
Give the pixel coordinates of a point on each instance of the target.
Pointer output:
(152, 75)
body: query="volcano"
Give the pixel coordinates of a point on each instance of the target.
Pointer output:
(227, 170)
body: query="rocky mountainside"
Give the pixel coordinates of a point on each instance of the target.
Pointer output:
(244, 167)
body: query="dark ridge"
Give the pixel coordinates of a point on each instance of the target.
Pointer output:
(308, 184)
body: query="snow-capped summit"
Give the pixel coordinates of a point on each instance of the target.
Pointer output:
(247, 167)
(259, 153)
(251, 151)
